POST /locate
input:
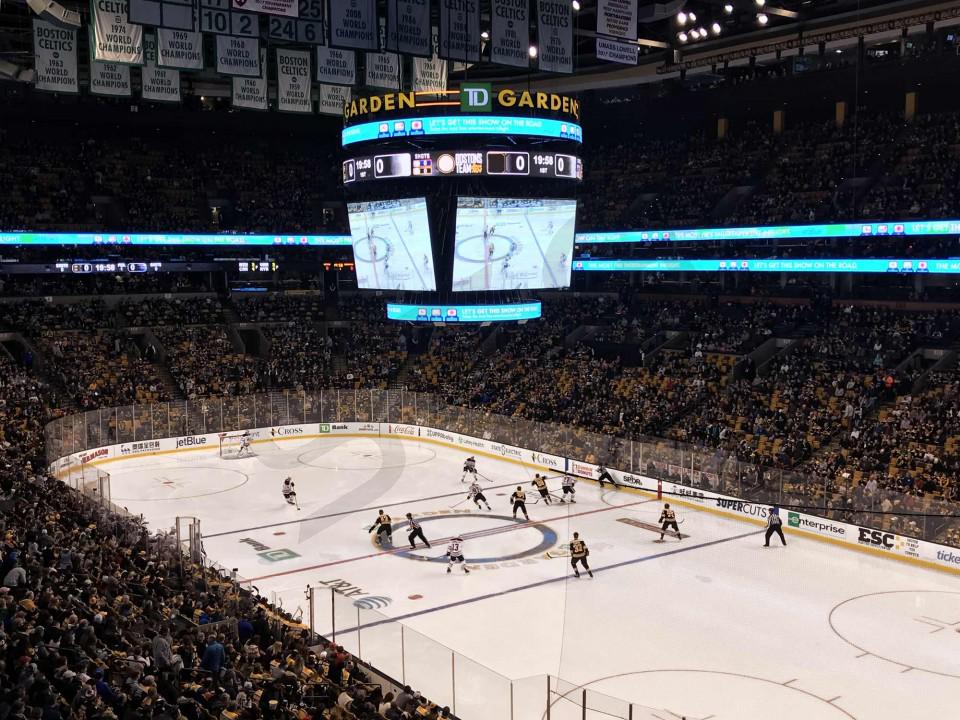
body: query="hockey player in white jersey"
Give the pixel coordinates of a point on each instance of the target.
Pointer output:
(567, 484)
(289, 494)
(244, 445)
(469, 467)
(455, 554)
(476, 494)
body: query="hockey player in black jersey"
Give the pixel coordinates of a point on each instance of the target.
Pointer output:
(668, 520)
(540, 483)
(383, 527)
(519, 500)
(578, 554)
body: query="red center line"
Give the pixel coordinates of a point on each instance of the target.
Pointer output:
(478, 533)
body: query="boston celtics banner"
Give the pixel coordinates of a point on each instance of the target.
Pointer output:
(110, 79)
(353, 24)
(408, 27)
(555, 32)
(332, 98)
(336, 67)
(159, 84)
(55, 58)
(293, 81)
(460, 30)
(180, 49)
(238, 56)
(510, 33)
(250, 93)
(114, 38)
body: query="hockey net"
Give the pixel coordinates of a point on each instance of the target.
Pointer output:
(231, 444)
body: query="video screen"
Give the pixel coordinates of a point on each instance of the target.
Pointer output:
(391, 244)
(513, 244)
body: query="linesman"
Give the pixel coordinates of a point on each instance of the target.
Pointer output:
(774, 525)
(415, 532)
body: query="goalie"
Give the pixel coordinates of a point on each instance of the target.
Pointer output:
(245, 446)
(289, 494)
(469, 467)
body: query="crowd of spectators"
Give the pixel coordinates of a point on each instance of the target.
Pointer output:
(154, 311)
(281, 307)
(204, 362)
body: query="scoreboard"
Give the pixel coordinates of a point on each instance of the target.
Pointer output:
(452, 163)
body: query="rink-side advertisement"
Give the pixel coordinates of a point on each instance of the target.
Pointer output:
(876, 541)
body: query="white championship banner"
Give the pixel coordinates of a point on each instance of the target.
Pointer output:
(555, 32)
(383, 70)
(408, 27)
(617, 51)
(239, 56)
(336, 67)
(617, 18)
(293, 81)
(110, 79)
(55, 58)
(250, 93)
(353, 24)
(429, 75)
(114, 38)
(287, 8)
(460, 30)
(332, 98)
(510, 33)
(159, 84)
(180, 49)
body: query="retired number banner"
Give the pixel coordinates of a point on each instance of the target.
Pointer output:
(617, 18)
(180, 49)
(239, 56)
(510, 33)
(555, 32)
(110, 79)
(287, 8)
(55, 58)
(250, 93)
(460, 30)
(408, 27)
(336, 67)
(353, 24)
(115, 39)
(160, 84)
(293, 81)
(332, 99)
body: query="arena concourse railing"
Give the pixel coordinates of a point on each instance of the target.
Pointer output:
(672, 461)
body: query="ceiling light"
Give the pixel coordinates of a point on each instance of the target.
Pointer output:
(532, 51)
(682, 37)
(682, 18)
(728, 9)
(716, 28)
(702, 32)
(762, 19)
(484, 35)
(760, 3)
(576, 5)
(692, 16)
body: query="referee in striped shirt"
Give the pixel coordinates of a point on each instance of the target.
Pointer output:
(774, 525)
(415, 532)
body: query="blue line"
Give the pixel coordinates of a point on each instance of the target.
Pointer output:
(541, 583)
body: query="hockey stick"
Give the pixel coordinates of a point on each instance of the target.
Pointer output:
(296, 501)
(460, 503)
(484, 477)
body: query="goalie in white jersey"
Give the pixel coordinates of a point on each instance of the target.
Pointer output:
(469, 467)
(244, 445)
(476, 494)
(455, 554)
(289, 494)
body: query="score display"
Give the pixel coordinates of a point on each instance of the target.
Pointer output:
(217, 17)
(519, 163)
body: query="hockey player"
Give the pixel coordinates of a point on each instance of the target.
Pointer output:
(540, 483)
(244, 445)
(578, 554)
(567, 484)
(519, 500)
(455, 554)
(604, 474)
(289, 494)
(774, 525)
(668, 520)
(415, 532)
(384, 528)
(469, 467)
(476, 494)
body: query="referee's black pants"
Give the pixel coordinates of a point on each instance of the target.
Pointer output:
(418, 533)
(608, 477)
(770, 531)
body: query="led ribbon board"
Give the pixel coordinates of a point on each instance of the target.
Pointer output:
(949, 266)
(464, 313)
(462, 125)
(111, 239)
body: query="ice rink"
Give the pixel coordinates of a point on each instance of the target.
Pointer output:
(711, 626)
(513, 247)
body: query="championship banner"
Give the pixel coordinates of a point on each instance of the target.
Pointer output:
(353, 24)
(617, 18)
(429, 75)
(250, 93)
(159, 84)
(180, 49)
(555, 32)
(460, 30)
(293, 81)
(110, 79)
(287, 8)
(239, 56)
(383, 70)
(336, 67)
(115, 39)
(55, 58)
(617, 51)
(408, 27)
(510, 33)
(332, 98)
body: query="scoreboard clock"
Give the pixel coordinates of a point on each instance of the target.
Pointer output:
(440, 163)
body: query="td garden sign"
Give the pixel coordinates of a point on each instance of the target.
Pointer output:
(471, 98)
